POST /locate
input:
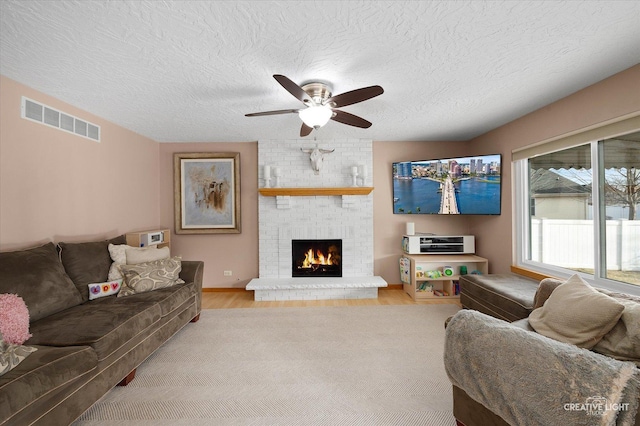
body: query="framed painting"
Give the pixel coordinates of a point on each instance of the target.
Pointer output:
(206, 192)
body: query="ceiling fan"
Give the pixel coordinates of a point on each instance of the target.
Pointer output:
(321, 106)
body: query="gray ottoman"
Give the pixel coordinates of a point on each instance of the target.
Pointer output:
(505, 296)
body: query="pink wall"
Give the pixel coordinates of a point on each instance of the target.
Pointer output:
(389, 227)
(233, 252)
(613, 97)
(56, 186)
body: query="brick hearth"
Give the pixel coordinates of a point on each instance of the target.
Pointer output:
(316, 288)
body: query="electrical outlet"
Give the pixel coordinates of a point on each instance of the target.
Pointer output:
(228, 273)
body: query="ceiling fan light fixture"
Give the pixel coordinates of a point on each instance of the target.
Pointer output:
(316, 116)
(321, 105)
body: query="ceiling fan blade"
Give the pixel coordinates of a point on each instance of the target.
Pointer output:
(355, 96)
(281, 111)
(305, 130)
(292, 88)
(350, 119)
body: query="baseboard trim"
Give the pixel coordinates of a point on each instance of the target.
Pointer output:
(222, 289)
(238, 289)
(394, 287)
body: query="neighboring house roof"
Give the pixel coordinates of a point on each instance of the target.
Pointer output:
(546, 182)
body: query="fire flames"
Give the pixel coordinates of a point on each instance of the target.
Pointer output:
(317, 259)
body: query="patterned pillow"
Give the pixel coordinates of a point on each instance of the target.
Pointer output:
(12, 355)
(150, 276)
(98, 290)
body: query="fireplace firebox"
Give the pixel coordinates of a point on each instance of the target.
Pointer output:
(316, 258)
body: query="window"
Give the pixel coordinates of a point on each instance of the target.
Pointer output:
(578, 210)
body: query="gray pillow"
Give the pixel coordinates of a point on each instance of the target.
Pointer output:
(576, 313)
(38, 277)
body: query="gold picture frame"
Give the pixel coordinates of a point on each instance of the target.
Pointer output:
(206, 192)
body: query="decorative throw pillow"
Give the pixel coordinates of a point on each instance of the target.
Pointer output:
(118, 255)
(14, 331)
(576, 313)
(136, 256)
(14, 319)
(150, 276)
(98, 290)
(12, 355)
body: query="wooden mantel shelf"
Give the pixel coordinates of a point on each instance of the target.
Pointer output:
(310, 192)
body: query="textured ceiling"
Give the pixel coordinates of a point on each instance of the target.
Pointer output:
(185, 71)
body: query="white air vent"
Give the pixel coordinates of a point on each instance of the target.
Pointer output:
(44, 114)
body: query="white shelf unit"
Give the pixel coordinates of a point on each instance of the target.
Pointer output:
(415, 274)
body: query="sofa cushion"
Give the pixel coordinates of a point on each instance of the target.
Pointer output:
(87, 263)
(37, 276)
(576, 313)
(105, 324)
(44, 373)
(505, 296)
(171, 298)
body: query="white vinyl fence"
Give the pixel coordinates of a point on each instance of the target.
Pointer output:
(569, 243)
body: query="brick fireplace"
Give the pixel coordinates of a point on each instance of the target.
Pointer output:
(283, 219)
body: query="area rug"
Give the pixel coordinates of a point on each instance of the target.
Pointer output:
(351, 365)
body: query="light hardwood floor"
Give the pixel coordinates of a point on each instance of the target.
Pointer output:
(244, 299)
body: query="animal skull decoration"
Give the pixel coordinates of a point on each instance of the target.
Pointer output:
(316, 156)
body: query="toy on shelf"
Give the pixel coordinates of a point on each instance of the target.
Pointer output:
(434, 274)
(425, 287)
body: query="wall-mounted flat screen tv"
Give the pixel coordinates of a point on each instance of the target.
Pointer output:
(461, 185)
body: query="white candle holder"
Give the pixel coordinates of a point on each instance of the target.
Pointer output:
(267, 176)
(362, 174)
(277, 173)
(354, 175)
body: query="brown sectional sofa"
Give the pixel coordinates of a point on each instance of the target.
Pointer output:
(511, 298)
(84, 347)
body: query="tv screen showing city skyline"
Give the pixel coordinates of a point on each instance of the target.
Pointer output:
(457, 186)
